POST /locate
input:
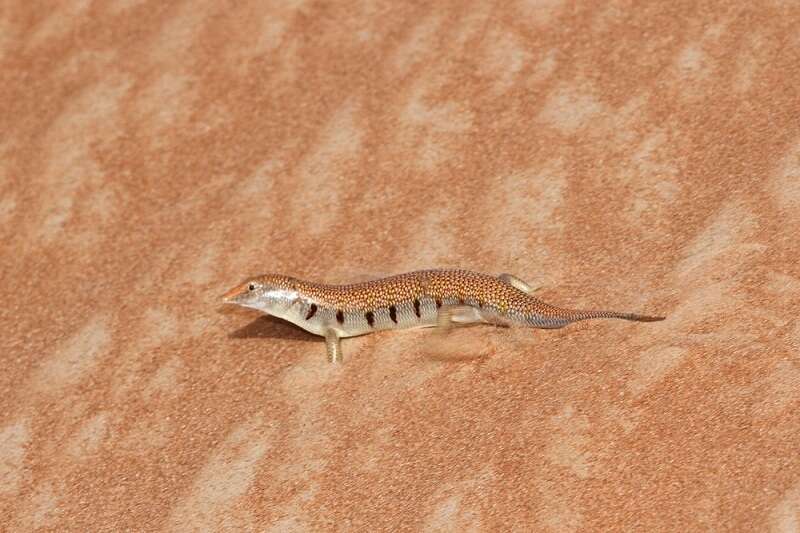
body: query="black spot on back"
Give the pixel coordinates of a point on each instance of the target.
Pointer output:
(438, 303)
(340, 316)
(416, 309)
(311, 311)
(370, 316)
(393, 313)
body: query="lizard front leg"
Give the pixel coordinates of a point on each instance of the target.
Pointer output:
(334, 346)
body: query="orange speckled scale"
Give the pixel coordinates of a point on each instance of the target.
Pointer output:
(424, 298)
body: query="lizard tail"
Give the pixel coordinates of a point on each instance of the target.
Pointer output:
(575, 315)
(544, 315)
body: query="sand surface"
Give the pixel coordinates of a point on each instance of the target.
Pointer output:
(646, 159)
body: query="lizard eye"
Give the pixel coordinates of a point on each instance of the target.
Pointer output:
(251, 287)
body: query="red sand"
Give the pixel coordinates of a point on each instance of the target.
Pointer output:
(638, 158)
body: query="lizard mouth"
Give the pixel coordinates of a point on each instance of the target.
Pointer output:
(234, 295)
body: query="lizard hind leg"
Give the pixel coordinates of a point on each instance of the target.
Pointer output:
(449, 317)
(334, 346)
(457, 315)
(517, 283)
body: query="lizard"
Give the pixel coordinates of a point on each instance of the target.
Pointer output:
(424, 298)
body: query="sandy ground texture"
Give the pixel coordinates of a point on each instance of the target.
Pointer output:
(153, 154)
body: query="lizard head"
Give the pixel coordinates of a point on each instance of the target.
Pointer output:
(266, 293)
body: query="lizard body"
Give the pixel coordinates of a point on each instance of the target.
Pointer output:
(424, 298)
